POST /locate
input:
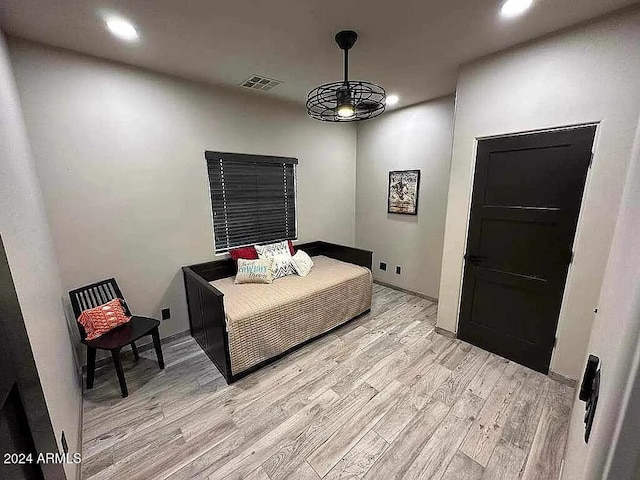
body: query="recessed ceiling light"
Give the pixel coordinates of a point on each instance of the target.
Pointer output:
(392, 99)
(512, 8)
(122, 29)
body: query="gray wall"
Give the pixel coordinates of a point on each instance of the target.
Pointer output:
(27, 241)
(586, 75)
(614, 447)
(416, 137)
(120, 155)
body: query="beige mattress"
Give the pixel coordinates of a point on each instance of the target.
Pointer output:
(266, 320)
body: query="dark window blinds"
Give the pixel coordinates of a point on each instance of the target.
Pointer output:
(253, 199)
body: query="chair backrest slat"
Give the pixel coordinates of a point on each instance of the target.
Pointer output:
(85, 300)
(93, 301)
(96, 295)
(103, 295)
(107, 293)
(95, 298)
(99, 294)
(111, 291)
(93, 295)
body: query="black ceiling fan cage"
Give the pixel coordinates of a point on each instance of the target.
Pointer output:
(366, 100)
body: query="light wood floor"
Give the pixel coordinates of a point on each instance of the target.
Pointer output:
(384, 397)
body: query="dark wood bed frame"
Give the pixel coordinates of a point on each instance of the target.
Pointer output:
(206, 306)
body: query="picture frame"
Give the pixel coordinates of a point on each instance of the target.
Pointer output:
(403, 191)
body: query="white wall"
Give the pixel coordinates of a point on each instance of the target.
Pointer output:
(612, 452)
(416, 137)
(586, 75)
(120, 155)
(27, 241)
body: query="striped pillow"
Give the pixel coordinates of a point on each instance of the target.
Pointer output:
(281, 255)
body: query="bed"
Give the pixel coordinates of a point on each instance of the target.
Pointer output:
(244, 327)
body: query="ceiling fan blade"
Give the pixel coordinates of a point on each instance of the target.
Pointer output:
(367, 106)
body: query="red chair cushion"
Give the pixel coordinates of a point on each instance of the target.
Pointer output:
(246, 253)
(101, 319)
(291, 249)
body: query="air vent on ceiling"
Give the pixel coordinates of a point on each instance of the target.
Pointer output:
(256, 82)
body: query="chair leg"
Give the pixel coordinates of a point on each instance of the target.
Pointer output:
(91, 366)
(115, 353)
(134, 349)
(156, 343)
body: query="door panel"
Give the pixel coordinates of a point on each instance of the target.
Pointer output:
(524, 211)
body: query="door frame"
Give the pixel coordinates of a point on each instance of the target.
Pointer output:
(587, 185)
(30, 387)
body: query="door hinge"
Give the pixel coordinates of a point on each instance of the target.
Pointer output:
(591, 159)
(570, 257)
(555, 342)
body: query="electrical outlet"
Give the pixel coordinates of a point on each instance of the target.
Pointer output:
(398, 270)
(166, 314)
(63, 441)
(383, 266)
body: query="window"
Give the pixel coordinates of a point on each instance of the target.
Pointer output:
(253, 199)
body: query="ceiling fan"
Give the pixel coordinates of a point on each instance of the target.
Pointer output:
(348, 100)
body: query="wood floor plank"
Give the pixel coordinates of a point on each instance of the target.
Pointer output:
(437, 348)
(247, 460)
(212, 459)
(397, 459)
(522, 423)
(361, 364)
(506, 462)
(385, 397)
(324, 458)
(434, 458)
(183, 454)
(104, 436)
(285, 392)
(545, 457)
(449, 392)
(257, 474)
(482, 385)
(390, 367)
(95, 464)
(293, 451)
(463, 468)
(357, 462)
(452, 358)
(303, 472)
(486, 431)
(397, 418)
(420, 392)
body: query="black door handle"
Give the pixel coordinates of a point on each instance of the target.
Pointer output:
(475, 259)
(586, 389)
(589, 393)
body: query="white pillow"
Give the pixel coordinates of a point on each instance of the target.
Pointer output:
(281, 256)
(273, 249)
(302, 263)
(282, 266)
(254, 271)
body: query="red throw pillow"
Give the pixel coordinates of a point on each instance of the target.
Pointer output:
(99, 320)
(291, 249)
(246, 253)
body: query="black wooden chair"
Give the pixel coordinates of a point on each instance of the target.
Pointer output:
(97, 294)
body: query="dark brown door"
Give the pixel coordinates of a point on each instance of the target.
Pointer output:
(526, 198)
(25, 426)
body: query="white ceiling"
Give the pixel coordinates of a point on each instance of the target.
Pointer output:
(410, 47)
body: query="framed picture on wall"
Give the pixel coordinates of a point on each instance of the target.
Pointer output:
(403, 192)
